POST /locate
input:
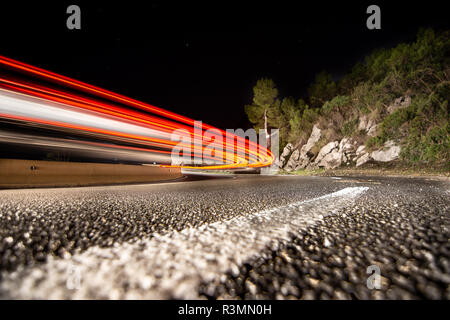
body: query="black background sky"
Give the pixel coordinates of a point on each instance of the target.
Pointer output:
(201, 59)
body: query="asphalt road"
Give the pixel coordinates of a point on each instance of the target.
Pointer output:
(247, 237)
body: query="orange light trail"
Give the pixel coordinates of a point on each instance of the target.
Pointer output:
(153, 131)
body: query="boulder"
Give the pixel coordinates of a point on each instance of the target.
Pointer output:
(360, 150)
(303, 157)
(343, 142)
(313, 138)
(326, 150)
(304, 161)
(347, 145)
(293, 160)
(287, 151)
(335, 153)
(332, 160)
(348, 148)
(389, 152)
(330, 156)
(362, 159)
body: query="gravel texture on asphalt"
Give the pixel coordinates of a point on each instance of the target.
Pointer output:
(403, 227)
(35, 223)
(171, 265)
(400, 225)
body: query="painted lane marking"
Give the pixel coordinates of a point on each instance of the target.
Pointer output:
(172, 264)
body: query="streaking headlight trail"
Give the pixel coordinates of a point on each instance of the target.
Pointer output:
(117, 123)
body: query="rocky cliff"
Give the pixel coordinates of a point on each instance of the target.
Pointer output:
(317, 152)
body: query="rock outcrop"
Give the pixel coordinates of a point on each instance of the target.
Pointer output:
(348, 148)
(389, 152)
(336, 153)
(362, 156)
(327, 149)
(402, 102)
(332, 160)
(287, 151)
(301, 158)
(293, 160)
(368, 125)
(333, 154)
(363, 159)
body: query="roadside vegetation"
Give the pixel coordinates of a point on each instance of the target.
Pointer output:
(418, 71)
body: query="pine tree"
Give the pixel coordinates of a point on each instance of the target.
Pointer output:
(263, 111)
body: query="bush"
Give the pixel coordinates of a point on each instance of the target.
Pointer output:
(349, 127)
(389, 127)
(434, 147)
(336, 103)
(374, 142)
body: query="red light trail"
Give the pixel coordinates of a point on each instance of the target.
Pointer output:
(110, 116)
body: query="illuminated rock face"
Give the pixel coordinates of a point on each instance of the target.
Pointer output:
(315, 136)
(346, 151)
(390, 152)
(300, 159)
(332, 160)
(327, 149)
(285, 155)
(293, 160)
(364, 158)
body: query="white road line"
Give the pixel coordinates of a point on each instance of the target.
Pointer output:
(171, 265)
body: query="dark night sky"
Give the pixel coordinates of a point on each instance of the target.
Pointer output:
(201, 59)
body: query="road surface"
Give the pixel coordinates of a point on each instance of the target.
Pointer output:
(246, 237)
